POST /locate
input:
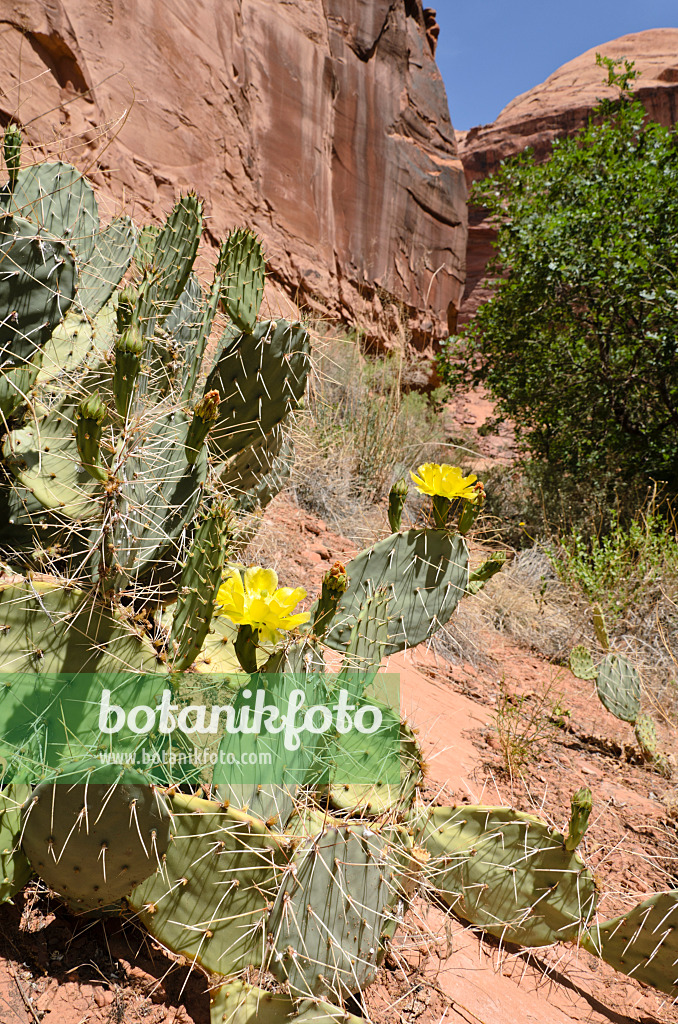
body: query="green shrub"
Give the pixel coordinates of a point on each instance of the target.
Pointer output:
(578, 343)
(627, 567)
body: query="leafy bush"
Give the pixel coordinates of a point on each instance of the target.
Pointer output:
(578, 343)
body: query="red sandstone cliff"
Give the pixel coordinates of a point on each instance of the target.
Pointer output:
(559, 106)
(323, 124)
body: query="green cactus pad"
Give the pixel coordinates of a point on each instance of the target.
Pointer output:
(37, 286)
(642, 943)
(240, 1003)
(581, 806)
(600, 627)
(581, 663)
(507, 873)
(14, 867)
(112, 254)
(261, 378)
(208, 902)
(159, 497)
(425, 573)
(48, 629)
(380, 797)
(369, 635)
(268, 790)
(489, 568)
(52, 642)
(618, 686)
(43, 456)
(325, 927)
(248, 467)
(95, 838)
(57, 198)
(645, 732)
(70, 344)
(265, 487)
(217, 656)
(242, 269)
(168, 261)
(200, 579)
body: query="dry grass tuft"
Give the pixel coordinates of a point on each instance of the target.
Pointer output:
(357, 434)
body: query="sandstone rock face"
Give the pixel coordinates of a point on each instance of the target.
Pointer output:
(560, 106)
(323, 124)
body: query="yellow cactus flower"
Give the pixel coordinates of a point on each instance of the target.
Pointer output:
(444, 480)
(254, 599)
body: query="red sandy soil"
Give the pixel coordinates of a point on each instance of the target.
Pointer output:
(61, 970)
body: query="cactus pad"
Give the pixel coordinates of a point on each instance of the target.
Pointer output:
(200, 579)
(241, 269)
(111, 256)
(208, 901)
(425, 574)
(645, 732)
(261, 378)
(14, 867)
(326, 924)
(57, 198)
(240, 1003)
(642, 943)
(581, 663)
(37, 286)
(618, 686)
(508, 873)
(94, 839)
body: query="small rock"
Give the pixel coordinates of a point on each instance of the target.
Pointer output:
(102, 996)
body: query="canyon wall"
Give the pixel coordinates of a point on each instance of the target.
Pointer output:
(322, 124)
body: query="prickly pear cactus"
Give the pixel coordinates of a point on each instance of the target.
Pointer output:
(15, 869)
(618, 685)
(581, 663)
(423, 572)
(240, 1003)
(508, 873)
(642, 942)
(326, 924)
(209, 898)
(143, 417)
(96, 834)
(645, 732)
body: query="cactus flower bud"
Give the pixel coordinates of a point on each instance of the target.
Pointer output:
(471, 508)
(396, 503)
(129, 348)
(205, 415)
(582, 805)
(12, 153)
(335, 583)
(335, 579)
(127, 303)
(89, 418)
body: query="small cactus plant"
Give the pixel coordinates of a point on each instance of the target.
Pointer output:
(618, 686)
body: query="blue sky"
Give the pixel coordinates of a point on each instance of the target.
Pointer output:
(492, 50)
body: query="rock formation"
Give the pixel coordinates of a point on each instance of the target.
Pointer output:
(323, 124)
(560, 106)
